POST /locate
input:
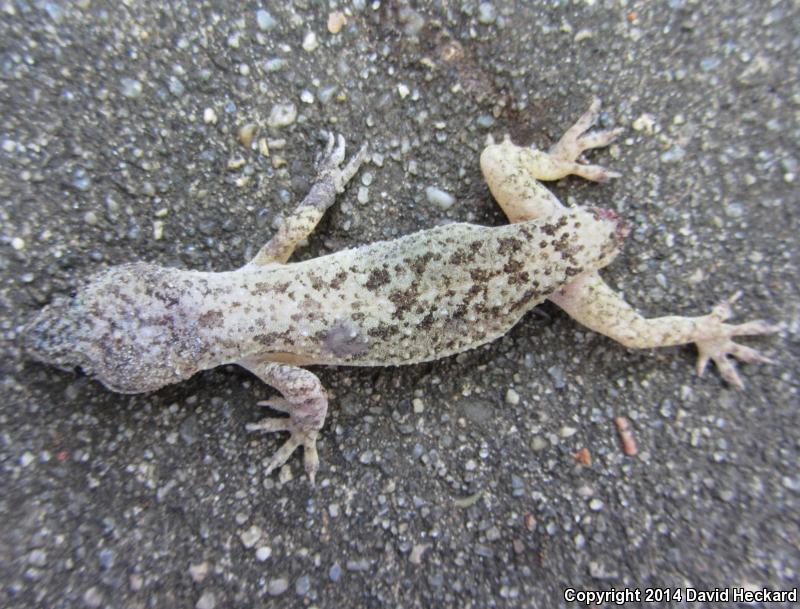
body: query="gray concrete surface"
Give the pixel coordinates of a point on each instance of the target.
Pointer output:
(120, 140)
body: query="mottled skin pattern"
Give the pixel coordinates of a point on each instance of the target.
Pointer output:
(138, 327)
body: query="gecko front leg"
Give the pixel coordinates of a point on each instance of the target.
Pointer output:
(304, 400)
(330, 181)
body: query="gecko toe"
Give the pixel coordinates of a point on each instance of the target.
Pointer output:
(748, 355)
(586, 120)
(727, 370)
(333, 154)
(336, 156)
(299, 436)
(754, 327)
(276, 403)
(702, 363)
(596, 173)
(345, 174)
(282, 455)
(270, 424)
(331, 140)
(310, 456)
(721, 351)
(598, 139)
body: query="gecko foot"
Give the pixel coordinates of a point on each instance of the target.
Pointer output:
(333, 156)
(305, 401)
(575, 141)
(719, 346)
(299, 436)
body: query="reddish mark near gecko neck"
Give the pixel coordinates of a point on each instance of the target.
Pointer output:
(607, 214)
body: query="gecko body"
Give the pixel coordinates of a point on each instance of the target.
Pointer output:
(138, 327)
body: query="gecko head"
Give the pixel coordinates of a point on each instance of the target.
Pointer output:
(57, 332)
(116, 328)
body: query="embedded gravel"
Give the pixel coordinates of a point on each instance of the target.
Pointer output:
(180, 132)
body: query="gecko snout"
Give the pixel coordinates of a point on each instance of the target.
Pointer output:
(46, 337)
(53, 336)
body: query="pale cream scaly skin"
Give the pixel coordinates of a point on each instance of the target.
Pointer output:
(139, 327)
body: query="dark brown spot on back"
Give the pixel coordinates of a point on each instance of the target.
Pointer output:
(377, 278)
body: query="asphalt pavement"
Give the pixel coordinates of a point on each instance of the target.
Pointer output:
(180, 133)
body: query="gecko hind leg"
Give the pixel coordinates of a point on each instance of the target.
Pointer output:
(591, 302)
(512, 172)
(562, 158)
(306, 402)
(576, 140)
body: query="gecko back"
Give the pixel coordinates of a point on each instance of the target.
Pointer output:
(427, 295)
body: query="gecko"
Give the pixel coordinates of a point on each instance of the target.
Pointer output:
(138, 327)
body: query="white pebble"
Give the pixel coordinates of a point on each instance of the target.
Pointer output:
(487, 13)
(646, 122)
(251, 536)
(18, 243)
(93, 597)
(277, 586)
(282, 115)
(734, 209)
(264, 20)
(512, 397)
(538, 443)
(206, 601)
(199, 571)
(131, 87)
(209, 116)
(310, 42)
(403, 90)
(263, 553)
(440, 198)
